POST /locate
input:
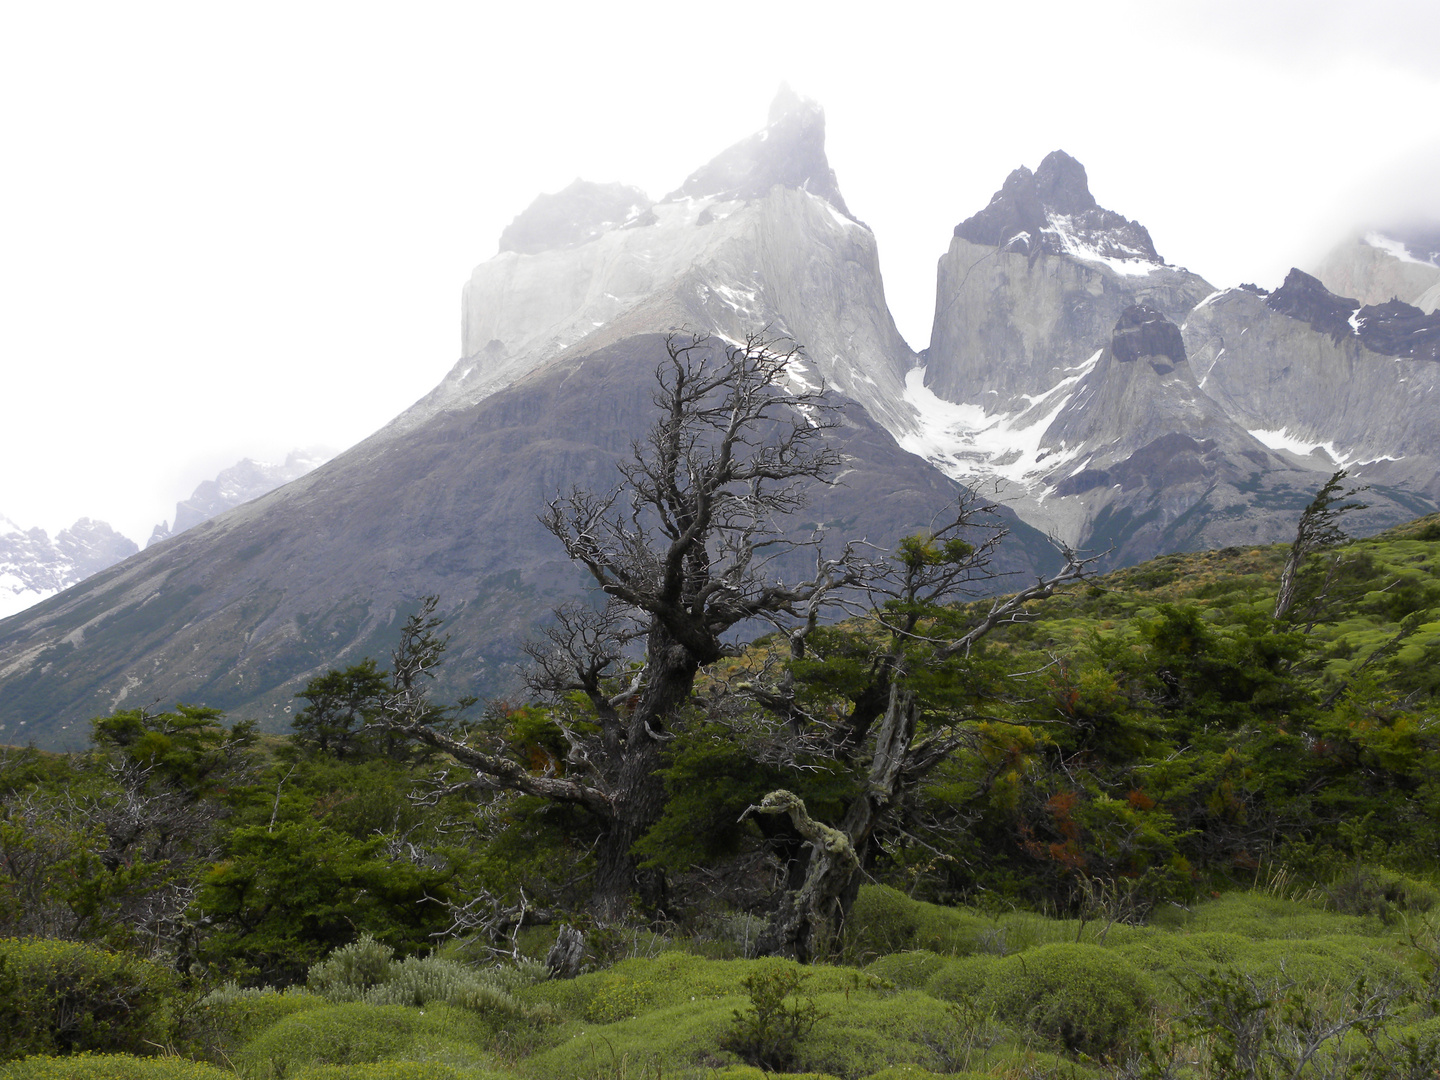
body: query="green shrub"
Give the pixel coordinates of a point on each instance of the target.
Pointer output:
(352, 969)
(632, 987)
(63, 997)
(881, 921)
(915, 1072)
(396, 1070)
(1374, 891)
(908, 970)
(365, 971)
(351, 1034)
(1258, 916)
(112, 1067)
(231, 1016)
(675, 1010)
(963, 979)
(1087, 998)
(770, 1032)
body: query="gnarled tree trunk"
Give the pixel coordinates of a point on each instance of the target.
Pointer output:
(809, 919)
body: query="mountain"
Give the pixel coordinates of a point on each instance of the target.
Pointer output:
(1328, 381)
(33, 567)
(1109, 398)
(1391, 264)
(1060, 368)
(563, 333)
(245, 480)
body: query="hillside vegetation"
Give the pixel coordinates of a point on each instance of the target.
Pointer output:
(1171, 836)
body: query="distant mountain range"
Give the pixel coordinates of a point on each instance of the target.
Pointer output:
(1106, 397)
(34, 567)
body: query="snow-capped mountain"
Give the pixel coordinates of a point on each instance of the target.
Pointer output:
(1117, 401)
(33, 566)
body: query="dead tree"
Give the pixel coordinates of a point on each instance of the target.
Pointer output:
(685, 547)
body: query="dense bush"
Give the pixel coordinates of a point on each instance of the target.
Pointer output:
(770, 1031)
(907, 970)
(367, 971)
(63, 997)
(1087, 998)
(227, 1018)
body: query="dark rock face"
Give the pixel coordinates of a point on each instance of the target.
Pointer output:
(1396, 328)
(790, 152)
(1303, 297)
(1027, 213)
(1144, 332)
(579, 213)
(1391, 329)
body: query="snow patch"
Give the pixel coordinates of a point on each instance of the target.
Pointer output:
(1136, 264)
(1395, 249)
(963, 440)
(843, 221)
(1209, 300)
(1283, 439)
(739, 300)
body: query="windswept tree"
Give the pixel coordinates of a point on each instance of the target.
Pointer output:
(686, 546)
(1318, 530)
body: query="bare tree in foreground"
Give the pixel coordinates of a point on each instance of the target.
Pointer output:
(685, 548)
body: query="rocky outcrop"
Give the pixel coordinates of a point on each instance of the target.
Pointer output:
(759, 236)
(1148, 462)
(574, 216)
(1393, 328)
(1052, 211)
(788, 152)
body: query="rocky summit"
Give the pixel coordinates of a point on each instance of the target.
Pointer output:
(1105, 397)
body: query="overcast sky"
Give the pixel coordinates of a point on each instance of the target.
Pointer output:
(233, 229)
